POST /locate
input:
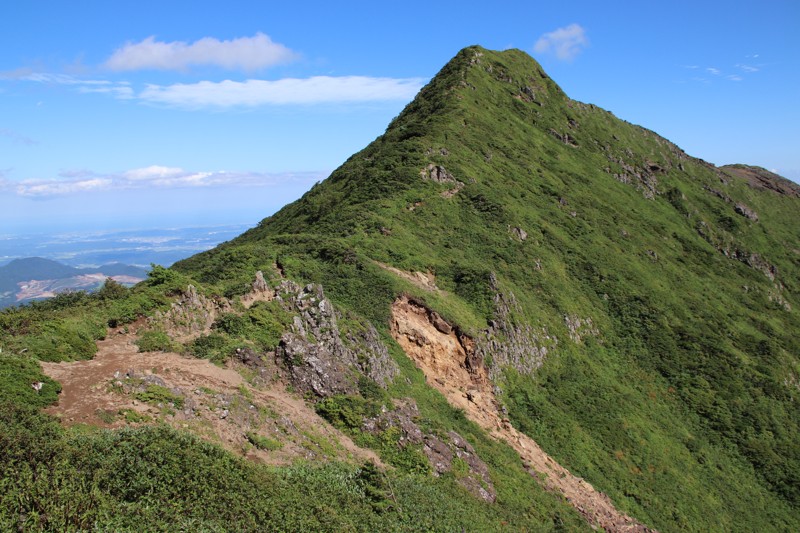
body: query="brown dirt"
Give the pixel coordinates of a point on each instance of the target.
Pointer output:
(224, 405)
(442, 357)
(423, 280)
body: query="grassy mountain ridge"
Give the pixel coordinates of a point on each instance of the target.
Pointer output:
(641, 305)
(682, 407)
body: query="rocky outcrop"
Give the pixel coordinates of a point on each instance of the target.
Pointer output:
(580, 328)
(742, 209)
(442, 452)
(642, 175)
(318, 357)
(519, 233)
(449, 368)
(725, 245)
(510, 341)
(565, 138)
(192, 314)
(763, 179)
(437, 174)
(260, 291)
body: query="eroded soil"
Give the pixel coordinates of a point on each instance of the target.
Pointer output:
(443, 357)
(115, 389)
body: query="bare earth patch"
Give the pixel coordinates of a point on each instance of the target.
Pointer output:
(443, 358)
(121, 386)
(423, 280)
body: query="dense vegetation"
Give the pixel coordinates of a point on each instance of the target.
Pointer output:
(684, 407)
(680, 402)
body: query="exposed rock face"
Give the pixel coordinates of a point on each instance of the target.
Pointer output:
(729, 248)
(565, 138)
(192, 313)
(319, 358)
(445, 360)
(642, 175)
(260, 285)
(512, 342)
(580, 328)
(261, 291)
(519, 233)
(745, 211)
(441, 451)
(761, 178)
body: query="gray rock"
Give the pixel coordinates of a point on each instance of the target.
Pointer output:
(746, 212)
(319, 358)
(441, 451)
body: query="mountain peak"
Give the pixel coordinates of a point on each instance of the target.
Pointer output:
(631, 307)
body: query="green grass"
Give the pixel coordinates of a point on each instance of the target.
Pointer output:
(683, 398)
(684, 407)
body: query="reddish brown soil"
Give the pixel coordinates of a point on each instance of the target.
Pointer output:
(442, 358)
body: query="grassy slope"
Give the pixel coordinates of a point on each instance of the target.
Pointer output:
(684, 408)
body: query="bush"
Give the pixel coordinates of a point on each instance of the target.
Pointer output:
(263, 443)
(154, 340)
(17, 379)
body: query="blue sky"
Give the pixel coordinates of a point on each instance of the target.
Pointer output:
(144, 114)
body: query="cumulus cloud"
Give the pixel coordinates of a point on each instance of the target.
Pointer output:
(565, 43)
(252, 93)
(155, 176)
(244, 53)
(152, 172)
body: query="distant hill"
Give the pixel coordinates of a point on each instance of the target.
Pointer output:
(33, 268)
(36, 278)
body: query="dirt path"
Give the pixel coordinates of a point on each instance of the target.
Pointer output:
(218, 403)
(442, 357)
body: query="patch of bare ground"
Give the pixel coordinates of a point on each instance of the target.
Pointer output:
(423, 280)
(122, 386)
(449, 365)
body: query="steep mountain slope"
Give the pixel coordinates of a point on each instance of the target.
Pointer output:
(634, 306)
(539, 316)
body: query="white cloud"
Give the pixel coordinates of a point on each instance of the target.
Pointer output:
(63, 79)
(155, 176)
(152, 172)
(41, 188)
(566, 43)
(122, 92)
(252, 93)
(248, 93)
(119, 89)
(244, 53)
(714, 71)
(734, 77)
(747, 68)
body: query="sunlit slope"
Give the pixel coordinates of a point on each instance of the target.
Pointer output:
(664, 289)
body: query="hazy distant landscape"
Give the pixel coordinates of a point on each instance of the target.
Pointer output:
(131, 246)
(38, 266)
